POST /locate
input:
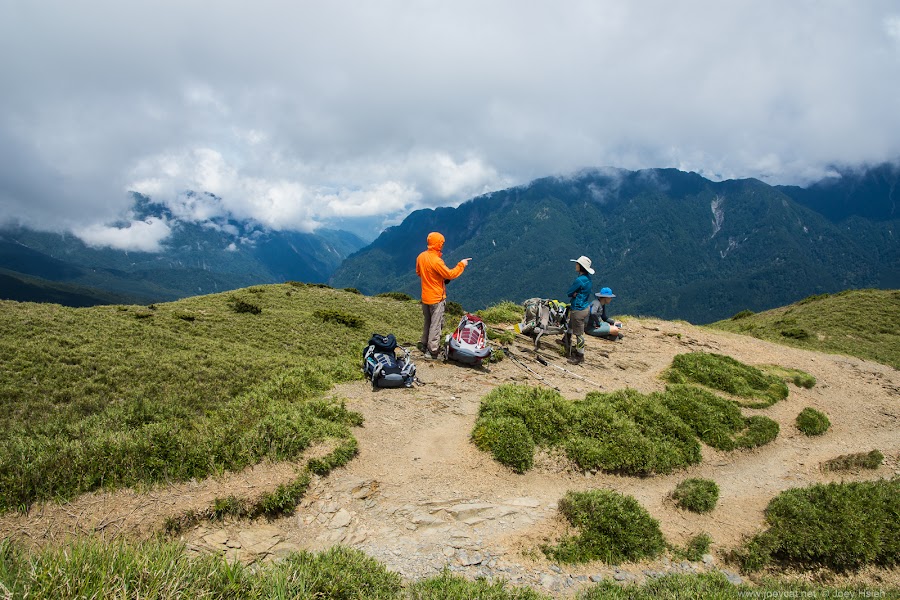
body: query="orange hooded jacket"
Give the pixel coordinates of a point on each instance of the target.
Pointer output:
(431, 268)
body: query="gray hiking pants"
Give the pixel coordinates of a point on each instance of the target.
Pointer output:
(434, 324)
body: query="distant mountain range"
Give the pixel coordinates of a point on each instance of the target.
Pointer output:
(669, 243)
(198, 258)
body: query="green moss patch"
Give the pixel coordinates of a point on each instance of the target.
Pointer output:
(611, 527)
(725, 374)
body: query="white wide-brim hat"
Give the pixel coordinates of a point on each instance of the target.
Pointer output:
(585, 262)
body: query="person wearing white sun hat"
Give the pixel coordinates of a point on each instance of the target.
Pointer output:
(580, 293)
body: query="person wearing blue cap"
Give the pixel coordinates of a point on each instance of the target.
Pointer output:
(598, 323)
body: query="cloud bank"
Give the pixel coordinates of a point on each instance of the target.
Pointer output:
(304, 115)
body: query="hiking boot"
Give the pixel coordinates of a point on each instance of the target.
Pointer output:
(430, 356)
(576, 359)
(420, 347)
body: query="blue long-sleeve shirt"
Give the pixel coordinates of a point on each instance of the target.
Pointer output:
(580, 292)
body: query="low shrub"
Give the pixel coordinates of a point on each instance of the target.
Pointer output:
(340, 317)
(400, 296)
(612, 527)
(759, 432)
(242, 306)
(545, 413)
(859, 460)
(837, 525)
(454, 310)
(795, 333)
(696, 547)
(714, 419)
(352, 290)
(742, 315)
(628, 432)
(795, 376)
(812, 422)
(230, 506)
(507, 439)
(503, 312)
(696, 495)
(623, 432)
(447, 586)
(728, 375)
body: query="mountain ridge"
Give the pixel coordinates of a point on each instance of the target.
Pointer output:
(197, 257)
(672, 244)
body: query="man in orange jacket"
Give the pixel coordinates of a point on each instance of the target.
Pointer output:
(434, 273)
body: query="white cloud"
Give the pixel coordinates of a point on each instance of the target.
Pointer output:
(310, 112)
(138, 236)
(892, 26)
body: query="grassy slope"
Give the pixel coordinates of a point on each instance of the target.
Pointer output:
(119, 395)
(861, 323)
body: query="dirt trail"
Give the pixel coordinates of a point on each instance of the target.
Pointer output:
(419, 496)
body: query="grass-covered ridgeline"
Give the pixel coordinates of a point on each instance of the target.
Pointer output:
(623, 431)
(861, 323)
(123, 395)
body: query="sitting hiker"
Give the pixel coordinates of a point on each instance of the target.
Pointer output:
(598, 323)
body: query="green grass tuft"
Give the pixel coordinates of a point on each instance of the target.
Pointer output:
(98, 569)
(728, 375)
(399, 296)
(837, 525)
(623, 432)
(507, 439)
(611, 527)
(696, 495)
(340, 317)
(811, 325)
(454, 310)
(759, 432)
(812, 422)
(502, 312)
(852, 462)
(694, 550)
(447, 586)
(742, 315)
(237, 305)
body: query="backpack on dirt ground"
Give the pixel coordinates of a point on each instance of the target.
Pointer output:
(543, 316)
(469, 343)
(382, 366)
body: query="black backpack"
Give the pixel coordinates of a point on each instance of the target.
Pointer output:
(381, 365)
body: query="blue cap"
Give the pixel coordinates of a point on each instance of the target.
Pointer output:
(605, 293)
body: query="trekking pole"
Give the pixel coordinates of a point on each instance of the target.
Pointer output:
(544, 362)
(527, 368)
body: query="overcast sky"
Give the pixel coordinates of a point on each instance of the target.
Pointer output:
(299, 114)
